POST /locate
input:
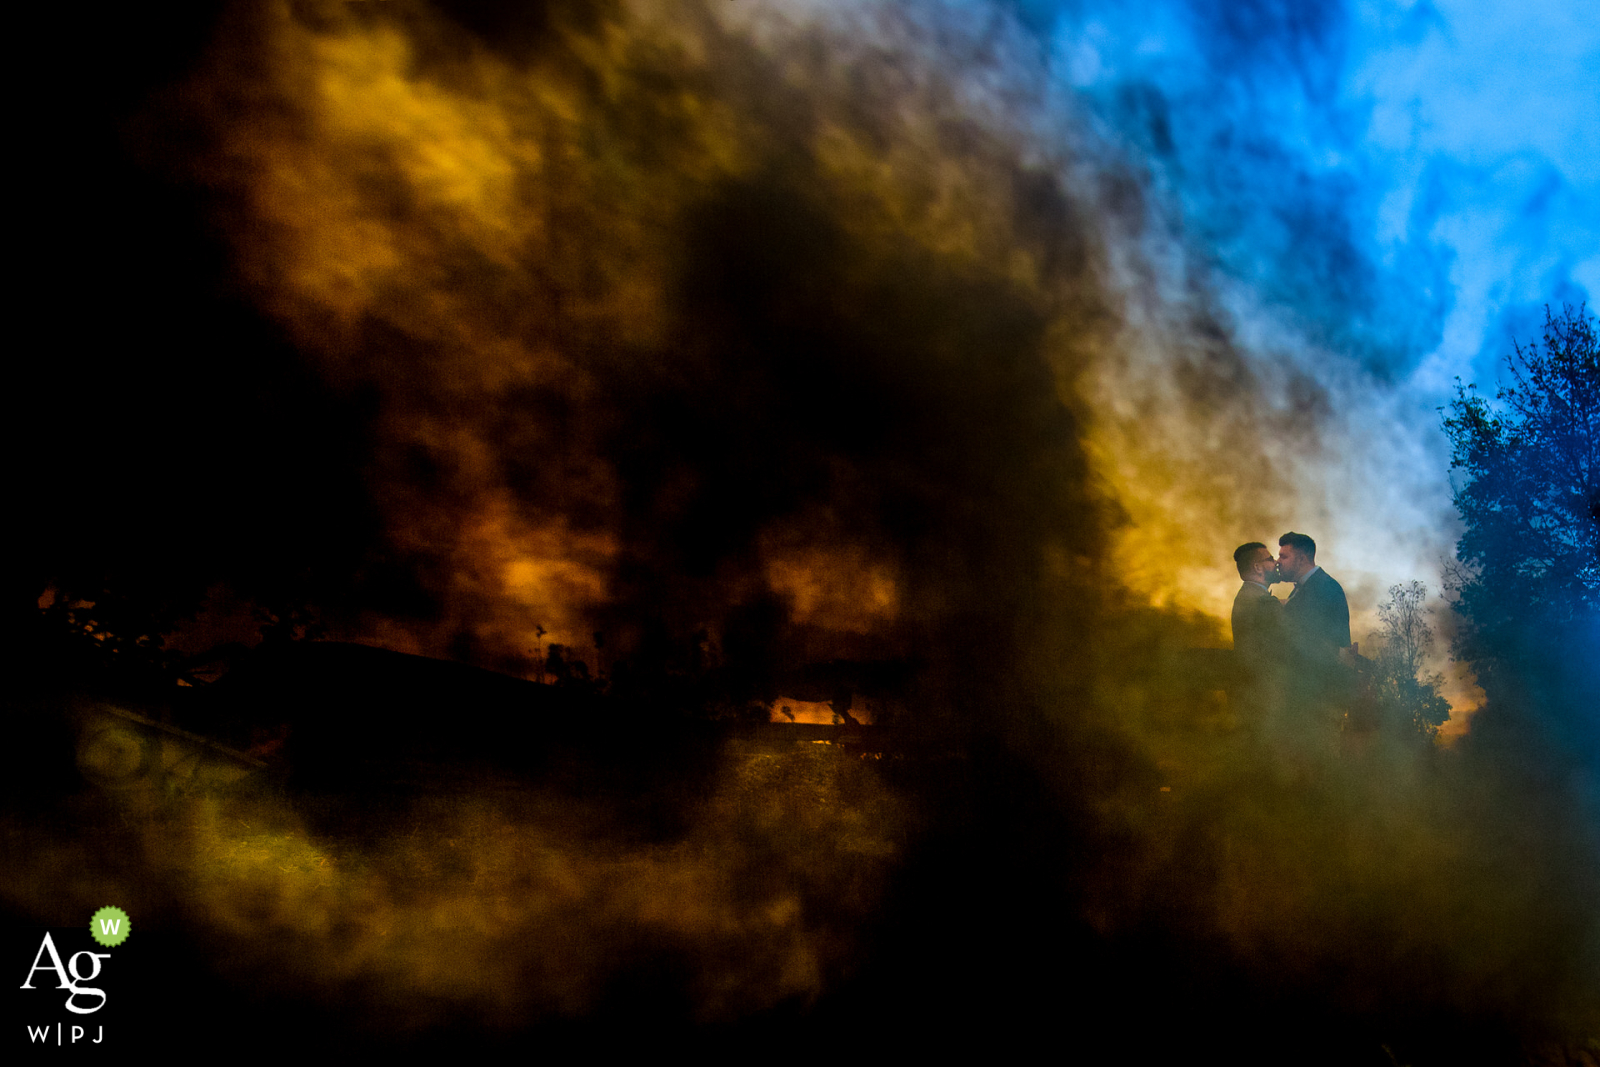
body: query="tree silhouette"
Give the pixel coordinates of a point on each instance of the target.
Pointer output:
(1405, 700)
(1527, 585)
(1406, 632)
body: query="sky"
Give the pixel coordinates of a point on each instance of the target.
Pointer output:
(1413, 182)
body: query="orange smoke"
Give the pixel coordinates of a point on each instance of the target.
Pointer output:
(493, 245)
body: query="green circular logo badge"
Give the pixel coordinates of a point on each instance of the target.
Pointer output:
(110, 926)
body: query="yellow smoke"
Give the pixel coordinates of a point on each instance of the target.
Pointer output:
(505, 906)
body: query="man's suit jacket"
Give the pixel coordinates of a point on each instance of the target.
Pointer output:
(1257, 626)
(1318, 618)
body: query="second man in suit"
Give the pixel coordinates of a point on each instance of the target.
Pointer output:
(1317, 614)
(1316, 629)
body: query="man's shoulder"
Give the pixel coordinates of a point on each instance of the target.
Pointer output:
(1320, 607)
(1257, 620)
(1250, 594)
(1325, 584)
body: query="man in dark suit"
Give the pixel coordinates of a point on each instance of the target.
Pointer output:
(1257, 614)
(1316, 629)
(1257, 634)
(1317, 614)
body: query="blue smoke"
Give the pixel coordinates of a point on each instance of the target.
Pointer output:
(1394, 181)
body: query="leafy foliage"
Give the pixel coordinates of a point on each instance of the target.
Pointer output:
(1404, 699)
(109, 629)
(1407, 633)
(1530, 499)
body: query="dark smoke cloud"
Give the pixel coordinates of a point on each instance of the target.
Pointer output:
(662, 338)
